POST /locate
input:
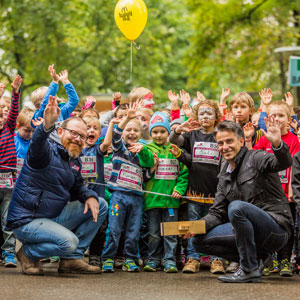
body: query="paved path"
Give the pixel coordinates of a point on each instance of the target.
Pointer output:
(122, 285)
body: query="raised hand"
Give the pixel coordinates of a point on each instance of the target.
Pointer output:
(293, 123)
(136, 148)
(16, 83)
(200, 96)
(187, 110)
(248, 130)
(225, 94)
(132, 110)
(266, 96)
(289, 99)
(184, 97)
(63, 76)
(2, 89)
(273, 134)
(173, 99)
(117, 97)
(115, 121)
(175, 150)
(53, 74)
(187, 126)
(37, 122)
(51, 113)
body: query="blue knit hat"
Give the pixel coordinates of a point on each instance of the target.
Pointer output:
(160, 119)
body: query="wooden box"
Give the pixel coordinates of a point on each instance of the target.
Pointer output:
(182, 227)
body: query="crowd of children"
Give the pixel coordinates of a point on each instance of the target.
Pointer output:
(143, 162)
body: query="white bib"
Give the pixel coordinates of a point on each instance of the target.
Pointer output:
(89, 166)
(206, 152)
(107, 171)
(130, 177)
(167, 169)
(283, 176)
(6, 180)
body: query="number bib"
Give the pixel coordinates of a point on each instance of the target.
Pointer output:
(107, 172)
(6, 180)
(167, 169)
(89, 167)
(283, 176)
(130, 177)
(20, 163)
(206, 152)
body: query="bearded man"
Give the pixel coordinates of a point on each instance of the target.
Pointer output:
(52, 212)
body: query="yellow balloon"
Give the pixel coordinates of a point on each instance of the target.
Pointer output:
(131, 17)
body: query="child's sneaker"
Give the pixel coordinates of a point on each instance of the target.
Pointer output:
(54, 259)
(130, 266)
(170, 268)
(151, 266)
(286, 268)
(273, 268)
(217, 267)
(94, 260)
(9, 260)
(108, 266)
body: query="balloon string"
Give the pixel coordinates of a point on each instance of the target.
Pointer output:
(136, 46)
(131, 62)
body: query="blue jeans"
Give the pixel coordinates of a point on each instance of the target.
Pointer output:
(9, 245)
(155, 216)
(252, 234)
(54, 237)
(195, 212)
(125, 209)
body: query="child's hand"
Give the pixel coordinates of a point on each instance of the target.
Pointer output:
(200, 96)
(176, 195)
(53, 74)
(248, 130)
(2, 89)
(184, 97)
(187, 126)
(115, 121)
(229, 116)
(51, 113)
(16, 83)
(37, 122)
(175, 150)
(136, 148)
(293, 123)
(156, 162)
(225, 94)
(273, 134)
(266, 96)
(174, 100)
(63, 76)
(132, 109)
(117, 97)
(289, 99)
(187, 110)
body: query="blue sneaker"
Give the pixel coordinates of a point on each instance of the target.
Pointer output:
(130, 266)
(151, 266)
(108, 266)
(9, 260)
(170, 268)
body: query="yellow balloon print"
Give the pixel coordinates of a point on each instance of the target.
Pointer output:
(131, 17)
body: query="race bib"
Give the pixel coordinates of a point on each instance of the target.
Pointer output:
(89, 167)
(6, 180)
(20, 163)
(206, 152)
(130, 177)
(283, 176)
(167, 169)
(107, 172)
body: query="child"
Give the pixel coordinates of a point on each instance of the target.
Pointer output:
(242, 108)
(25, 131)
(171, 178)
(200, 154)
(66, 109)
(280, 111)
(145, 116)
(142, 94)
(8, 162)
(93, 171)
(126, 206)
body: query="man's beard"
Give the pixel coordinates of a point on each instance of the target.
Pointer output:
(73, 149)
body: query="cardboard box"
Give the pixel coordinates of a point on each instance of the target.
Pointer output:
(182, 227)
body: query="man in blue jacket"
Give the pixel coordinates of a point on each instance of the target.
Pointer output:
(50, 199)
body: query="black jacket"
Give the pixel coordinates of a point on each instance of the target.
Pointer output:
(296, 180)
(254, 180)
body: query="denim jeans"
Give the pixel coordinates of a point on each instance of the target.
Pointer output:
(252, 234)
(125, 209)
(155, 216)
(195, 212)
(54, 237)
(9, 245)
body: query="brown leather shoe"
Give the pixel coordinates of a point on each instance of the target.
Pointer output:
(28, 266)
(191, 266)
(77, 266)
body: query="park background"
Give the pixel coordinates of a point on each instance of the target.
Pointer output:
(194, 45)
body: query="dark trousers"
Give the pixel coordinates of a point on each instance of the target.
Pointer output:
(252, 234)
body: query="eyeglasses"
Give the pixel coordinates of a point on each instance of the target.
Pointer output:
(75, 134)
